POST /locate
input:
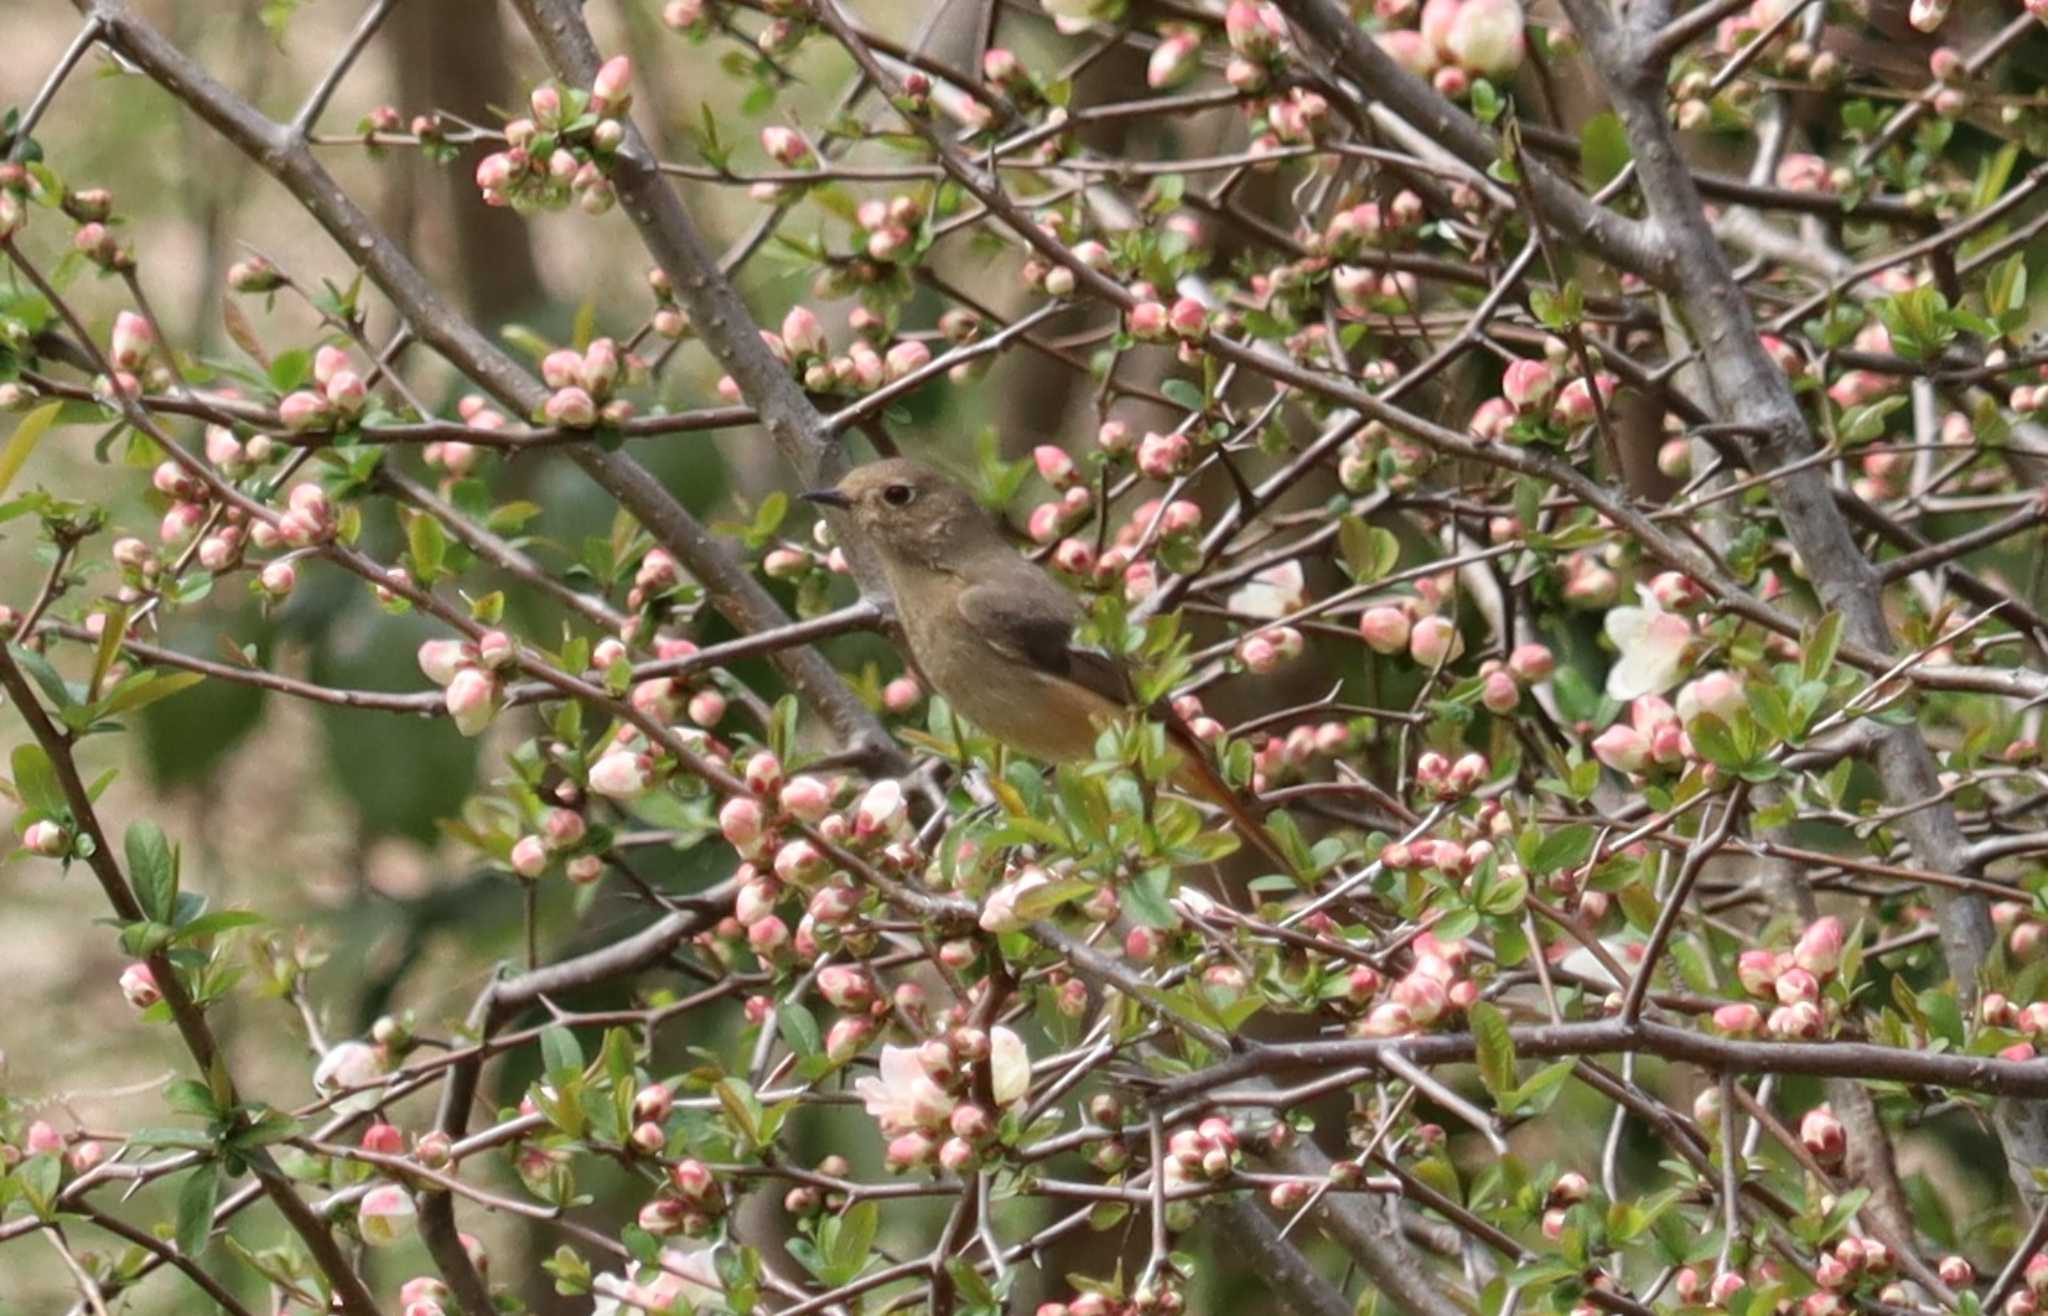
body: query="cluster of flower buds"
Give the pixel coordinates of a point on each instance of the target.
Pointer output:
(471, 675)
(924, 1097)
(583, 384)
(1654, 736)
(1501, 681)
(690, 1204)
(338, 398)
(1566, 1191)
(1854, 388)
(454, 458)
(1456, 41)
(773, 829)
(1434, 987)
(558, 156)
(1793, 979)
(1414, 625)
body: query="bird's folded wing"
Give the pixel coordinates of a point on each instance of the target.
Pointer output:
(1032, 620)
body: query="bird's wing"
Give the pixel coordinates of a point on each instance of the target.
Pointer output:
(1027, 617)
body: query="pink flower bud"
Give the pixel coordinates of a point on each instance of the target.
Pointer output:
(740, 821)
(1528, 384)
(1188, 318)
(1055, 467)
(1148, 321)
(1927, 15)
(1622, 748)
(46, 839)
(908, 1151)
(138, 985)
(1433, 641)
(570, 408)
(1796, 985)
(472, 700)
(845, 987)
(303, 411)
(1819, 950)
(529, 856)
(621, 775)
(907, 358)
(799, 862)
(1385, 628)
(609, 91)
(1822, 1135)
(883, 810)
(806, 798)
(1113, 437)
(1804, 173)
(1738, 1020)
(1255, 29)
(1163, 456)
(1757, 971)
(440, 660)
(131, 342)
(1956, 1272)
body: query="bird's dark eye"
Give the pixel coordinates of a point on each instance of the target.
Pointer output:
(898, 495)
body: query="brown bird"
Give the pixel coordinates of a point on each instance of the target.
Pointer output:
(994, 634)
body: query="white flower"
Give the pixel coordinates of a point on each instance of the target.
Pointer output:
(386, 1215)
(905, 1098)
(1272, 593)
(688, 1275)
(1652, 644)
(1009, 1065)
(348, 1066)
(999, 912)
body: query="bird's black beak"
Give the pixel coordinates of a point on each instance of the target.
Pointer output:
(828, 498)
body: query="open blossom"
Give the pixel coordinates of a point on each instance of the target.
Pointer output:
(905, 1098)
(1485, 37)
(1000, 913)
(1272, 593)
(1652, 643)
(386, 1215)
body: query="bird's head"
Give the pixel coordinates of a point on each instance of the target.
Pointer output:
(910, 511)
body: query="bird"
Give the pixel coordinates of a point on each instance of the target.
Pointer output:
(993, 633)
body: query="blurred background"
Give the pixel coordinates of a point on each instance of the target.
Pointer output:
(326, 820)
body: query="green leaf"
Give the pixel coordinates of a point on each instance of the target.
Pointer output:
(290, 369)
(35, 779)
(1603, 150)
(24, 439)
(799, 1028)
(561, 1057)
(1563, 848)
(188, 1096)
(1818, 646)
(847, 1254)
(1183, 393)
(54, 685)
(153, 869)
(1495, 1050)
(143, 689)
(428, 542)
(197, 1197)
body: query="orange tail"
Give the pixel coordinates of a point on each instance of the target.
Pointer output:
(1198, 776)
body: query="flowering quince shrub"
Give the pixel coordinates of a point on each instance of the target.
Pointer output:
(1575, 471)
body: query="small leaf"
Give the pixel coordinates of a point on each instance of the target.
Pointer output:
(24, 439)
(197, 1197)
(35, 779)
(561, 1056)
(1495, 1050)
(153, 869)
